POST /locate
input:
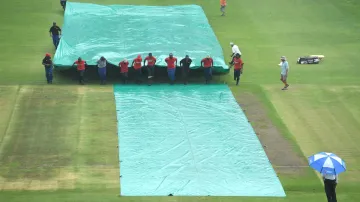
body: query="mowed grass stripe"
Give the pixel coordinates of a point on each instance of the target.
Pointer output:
(40, 148)
(8, 101)
(55, 141)
(320, 121)
(97, 160)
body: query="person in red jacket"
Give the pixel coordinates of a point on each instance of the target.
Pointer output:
(137, 67)
(171, 62)
(124, 69)
(80, 66)
(238, 67)
(207, 63)
(151, 60)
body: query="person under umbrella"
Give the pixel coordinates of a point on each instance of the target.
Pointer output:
(48, 64)
(102, 69)
(330, 166)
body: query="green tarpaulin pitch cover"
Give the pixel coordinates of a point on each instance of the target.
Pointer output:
(124, 31)
(192, 140)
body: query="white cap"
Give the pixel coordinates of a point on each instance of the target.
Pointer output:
(231, 43)
(125, 60)
(283, 57)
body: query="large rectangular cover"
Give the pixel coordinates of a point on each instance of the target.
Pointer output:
(189, 140)
(124, 31)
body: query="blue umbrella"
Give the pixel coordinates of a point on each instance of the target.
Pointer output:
(327, 163)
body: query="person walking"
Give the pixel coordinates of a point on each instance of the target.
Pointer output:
(284, 67)
(102, 69)
(124, 69)
(48, 64)
(151, 60)
(185, 68)
(55, 33)
(238, 67)
(207, 63)
(63, 3)
(235, 50)
(80, 66)
(171, 62)
(330, 183)
(137, 67)
(222, 7)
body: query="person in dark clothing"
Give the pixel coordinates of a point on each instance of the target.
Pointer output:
(185, 68)
(48, 64)
(330, 182)
(63, 3)
(55, 33)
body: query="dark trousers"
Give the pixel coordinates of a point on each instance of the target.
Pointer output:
(56, 40)
(138, 75)
(49, 74)
(63, 4)
(81, 76)
(237, 73)
(185, 74)
(151, 70)
(102, 74)
(330, 186)
(124, 77)
(171, 74)
(207, 74)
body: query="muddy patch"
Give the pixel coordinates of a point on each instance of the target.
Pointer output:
(279, 150)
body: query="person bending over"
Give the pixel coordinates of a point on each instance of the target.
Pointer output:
(151, 60)
(171, 62)
(185, 68)
(207, 63)
(80, 66)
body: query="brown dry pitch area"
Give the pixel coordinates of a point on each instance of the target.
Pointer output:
(279, 149)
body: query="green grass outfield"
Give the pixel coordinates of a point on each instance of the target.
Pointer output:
(73, 129)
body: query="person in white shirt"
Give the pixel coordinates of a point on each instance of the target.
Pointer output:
(235, 50)
(102, 69)
(330, 182)
(284, 67)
